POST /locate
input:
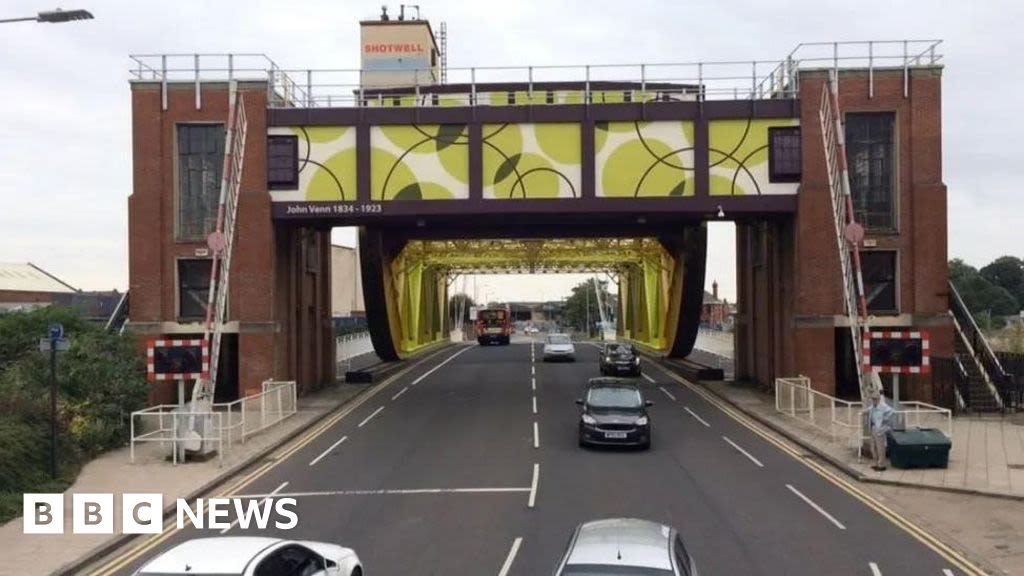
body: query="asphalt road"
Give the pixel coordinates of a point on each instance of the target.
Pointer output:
(435, 475)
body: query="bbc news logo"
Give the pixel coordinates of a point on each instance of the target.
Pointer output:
(143, 513)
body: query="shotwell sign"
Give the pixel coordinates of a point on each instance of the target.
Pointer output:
(394, 48)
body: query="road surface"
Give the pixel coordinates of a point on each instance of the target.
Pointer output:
(471, 466)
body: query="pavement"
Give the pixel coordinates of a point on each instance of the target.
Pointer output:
(114, 473)
(469, 465)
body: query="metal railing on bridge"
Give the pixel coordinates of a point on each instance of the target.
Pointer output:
(351, 346)
(844, 420)
(541, 85)
(226, 424)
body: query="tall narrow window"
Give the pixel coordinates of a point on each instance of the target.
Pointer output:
(193, 288)
(879, 271)
(282, 162)
(200, 159)
(784, 154)
(870, 153)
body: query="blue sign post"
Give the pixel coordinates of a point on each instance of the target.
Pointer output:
(56, 333)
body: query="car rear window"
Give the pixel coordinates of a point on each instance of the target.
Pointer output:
(602, 570)
(559, 339)
(616, 397)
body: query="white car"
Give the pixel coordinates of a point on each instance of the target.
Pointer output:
(559, 347)
(250, 556)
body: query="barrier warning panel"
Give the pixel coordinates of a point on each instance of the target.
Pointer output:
(178, 359)
(897, 352)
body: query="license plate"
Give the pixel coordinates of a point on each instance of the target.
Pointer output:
(615, 435)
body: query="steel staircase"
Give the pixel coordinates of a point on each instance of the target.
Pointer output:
(221, 241)
(985, 375)
(848, 233)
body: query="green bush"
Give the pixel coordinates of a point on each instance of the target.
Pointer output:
(101, 380)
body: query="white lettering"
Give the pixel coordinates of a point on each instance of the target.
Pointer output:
(217, 508)
(280, 506)
(196, 518)
(245, 512)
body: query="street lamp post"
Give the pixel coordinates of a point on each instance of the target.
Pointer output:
(57, 16)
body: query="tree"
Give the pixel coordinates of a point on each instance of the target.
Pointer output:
(1007, 272)
(576, 305)
(979, 294)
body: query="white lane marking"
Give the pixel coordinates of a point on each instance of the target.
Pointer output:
(699, 419)
(533, 486)
(533, 383)
(648, 378)
(533, 370)
(947, 572)
(536, 435)
(511, 557)
(812, 504)
(328, 451)
(258, 504)
(874, 569)
(395, 492)
(395, 397)
(434, 369)
(370, 417)
(744, 452)
(667, 393)
(534, 404)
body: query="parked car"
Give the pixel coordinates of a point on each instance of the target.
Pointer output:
(619, 358)
(614, 412)
(626, 546)
(559, 347)
(250, 556)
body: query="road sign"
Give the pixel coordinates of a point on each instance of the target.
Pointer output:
(178, 359)
(56, 331)
(897, 352)
(63, 344)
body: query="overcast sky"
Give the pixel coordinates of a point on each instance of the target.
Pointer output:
(65, 145)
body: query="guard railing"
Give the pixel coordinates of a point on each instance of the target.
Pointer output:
(226, 424)
(540, 85)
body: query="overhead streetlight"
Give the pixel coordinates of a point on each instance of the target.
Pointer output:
(53, 17)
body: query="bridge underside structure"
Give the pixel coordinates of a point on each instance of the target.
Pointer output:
(660, 281)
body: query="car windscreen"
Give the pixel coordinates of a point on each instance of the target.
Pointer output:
(599, 570)
(614, 397)
(559, 339)
(619, 349)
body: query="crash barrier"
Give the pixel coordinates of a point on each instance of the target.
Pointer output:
(349, 346)
(178, 430)
(846, 421)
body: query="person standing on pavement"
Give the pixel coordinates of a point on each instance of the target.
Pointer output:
(879, 415)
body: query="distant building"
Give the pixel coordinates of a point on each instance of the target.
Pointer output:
(347, 305)
(27, 286)
(716, 313)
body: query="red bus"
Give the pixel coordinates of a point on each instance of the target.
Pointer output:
(493, 326)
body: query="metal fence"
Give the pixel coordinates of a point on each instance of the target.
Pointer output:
(1013, 389)
(350, 346)
(224, 425)
(540, 85)
(845, 421)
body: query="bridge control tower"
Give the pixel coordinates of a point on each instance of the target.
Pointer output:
(613, 167)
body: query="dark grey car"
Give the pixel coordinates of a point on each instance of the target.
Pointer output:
(614, 413)
(625, 546)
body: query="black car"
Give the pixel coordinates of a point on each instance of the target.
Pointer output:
(614, 413)
(619, 358)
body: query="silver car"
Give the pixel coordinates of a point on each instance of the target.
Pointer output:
(625, 546)
(559, 347)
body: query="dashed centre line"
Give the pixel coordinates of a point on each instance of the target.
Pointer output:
(534, 404)
(533, 486)
(648, 378)
(370, 417)
(814, 505)
(536, 435)
(328, 451)
(699, 419)
(511, 557)
(667, 393)
(744, 452)
(395, 397)
(874, 569)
